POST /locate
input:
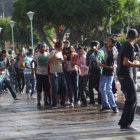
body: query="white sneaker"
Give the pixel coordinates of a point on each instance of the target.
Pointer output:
(33, 96)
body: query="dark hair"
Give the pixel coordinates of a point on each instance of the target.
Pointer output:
(19, 56)
(67, 42)
(30, 51)
(94, 43)
(58, 44)
(68, 49)
(79, 48)
(112, 40)
(3, 51)
(10, 52)
(132, 33)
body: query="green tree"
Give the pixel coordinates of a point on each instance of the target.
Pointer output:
(88, 18)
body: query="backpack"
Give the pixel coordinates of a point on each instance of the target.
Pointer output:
(93, 59)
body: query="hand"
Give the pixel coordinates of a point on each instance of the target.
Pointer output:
(65, 57)
(99, 64)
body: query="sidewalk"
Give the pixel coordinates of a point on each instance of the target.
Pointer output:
(120, 98)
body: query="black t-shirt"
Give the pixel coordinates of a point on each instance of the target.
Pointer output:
(127, 50)
(109, 62)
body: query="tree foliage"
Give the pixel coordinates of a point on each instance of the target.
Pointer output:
(88, 18)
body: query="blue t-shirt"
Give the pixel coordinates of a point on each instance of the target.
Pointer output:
(28, 61)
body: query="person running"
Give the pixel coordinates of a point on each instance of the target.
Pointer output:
(124, 72)
(94, 55)
(106, 78)
(29, 75)
(41, 59)
(58, 80)
(3, 77)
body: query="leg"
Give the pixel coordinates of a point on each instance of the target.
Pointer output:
(63, 84)
(91, 85)
(82, 82)
(10, 88)
(46, 88)
(74, 79)
(28, 84)
(102, 88)
(39, 87)
(109, 81)
(128, 88)
(69, 84)
(55, 86)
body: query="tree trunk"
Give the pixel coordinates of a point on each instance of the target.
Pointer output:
(42, 33)
(105, 28)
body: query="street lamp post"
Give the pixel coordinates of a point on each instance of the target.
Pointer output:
(0, 33)
(30, 15)
(12, 24)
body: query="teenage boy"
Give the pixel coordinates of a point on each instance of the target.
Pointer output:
(106, 78)
(41, 58)
(94, 55)
(124, 72)
(58, 80)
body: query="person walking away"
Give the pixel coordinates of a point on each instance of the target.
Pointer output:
(106, 78)
(3, 78)
(29, 75)
(58, 79)
(94, 56)
(124, 72)
(41, 59)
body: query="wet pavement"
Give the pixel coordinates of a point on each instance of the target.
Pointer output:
(22, 120)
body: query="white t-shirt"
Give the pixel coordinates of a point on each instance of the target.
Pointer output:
(41, 60)
(56, 64)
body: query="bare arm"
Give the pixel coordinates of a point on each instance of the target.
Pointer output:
(127, 63)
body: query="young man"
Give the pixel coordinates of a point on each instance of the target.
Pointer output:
(58, 80)
(3, 69)
(41, 59)
(94, 55)
(124, 72)
(29, 74)
(106, 78)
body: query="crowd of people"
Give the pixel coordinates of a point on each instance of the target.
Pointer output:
(66, 74)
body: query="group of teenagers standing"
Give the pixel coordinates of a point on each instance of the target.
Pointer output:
(73, 73)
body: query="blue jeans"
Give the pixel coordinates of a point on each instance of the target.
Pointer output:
(30, 83)
(105, 88)
(129, 91)
(8, 85)
(58, 81)
(72, 79)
